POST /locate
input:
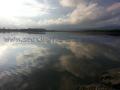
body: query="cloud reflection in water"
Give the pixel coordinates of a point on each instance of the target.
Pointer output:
(55, 63)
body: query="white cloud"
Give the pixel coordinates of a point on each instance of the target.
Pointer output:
(82, 12)
(71, 3)
(85, 12)
(23, 8)
(19, 13)
(33, 13)
(114, 6)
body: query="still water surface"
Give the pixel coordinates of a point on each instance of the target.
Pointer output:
(55, 61)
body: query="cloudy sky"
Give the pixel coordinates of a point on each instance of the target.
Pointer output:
(59, 14)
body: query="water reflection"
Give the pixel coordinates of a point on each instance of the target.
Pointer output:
(62, 65)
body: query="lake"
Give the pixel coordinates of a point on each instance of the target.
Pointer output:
(59, 61)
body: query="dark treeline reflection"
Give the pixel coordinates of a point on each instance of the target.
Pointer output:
(68, 64)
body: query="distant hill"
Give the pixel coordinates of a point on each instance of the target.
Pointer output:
(29, 30)
(113, 32)
(100, 31)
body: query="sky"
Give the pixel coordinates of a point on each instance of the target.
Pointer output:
(59, 14)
